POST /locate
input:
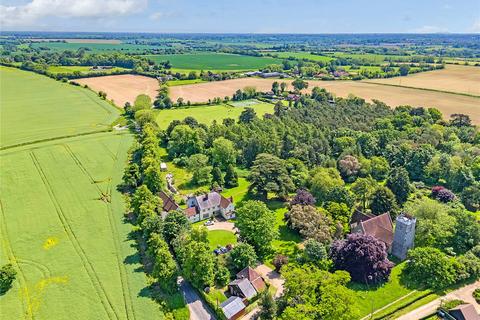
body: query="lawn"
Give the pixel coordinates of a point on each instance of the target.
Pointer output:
(206, 114)
(221, 238)
(35, 107)
(62, 227)
(214, 61)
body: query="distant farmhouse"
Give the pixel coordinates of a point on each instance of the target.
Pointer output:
(381, 227)
(205, 206)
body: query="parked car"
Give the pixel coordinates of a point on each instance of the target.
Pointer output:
(209, 223)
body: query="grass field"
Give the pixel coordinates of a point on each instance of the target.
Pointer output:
(94, 47)
(304, 55)
(214, 61)
(82, 69)
(174, 83)
(206, 114)
(34, 107)
(221, 238)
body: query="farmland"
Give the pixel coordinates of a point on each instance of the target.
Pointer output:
(81, 69)
(93, 46)
(36, 108)
(304, 55)
(214, 61)
(207, 114)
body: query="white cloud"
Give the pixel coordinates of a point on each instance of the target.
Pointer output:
(30, 13)
(430, 29)
(476, 26)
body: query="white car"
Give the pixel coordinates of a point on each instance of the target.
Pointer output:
(209, 223)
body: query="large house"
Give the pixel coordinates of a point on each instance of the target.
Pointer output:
(207, 205)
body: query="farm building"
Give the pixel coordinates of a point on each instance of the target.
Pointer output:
(233, 308)
(210, 204)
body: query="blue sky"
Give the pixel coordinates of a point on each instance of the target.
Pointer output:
(243, 16)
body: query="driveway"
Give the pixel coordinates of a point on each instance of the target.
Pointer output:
(223, 225)
(464, 293)
(199, 310)
(273, 277)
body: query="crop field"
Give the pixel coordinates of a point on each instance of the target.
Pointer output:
(82, 69)
(62, 227)
(95, 47)
(391, 95)
(35, 107)
(122, 88)
(454, 78)
(304, 55)
(206, 114)
(214, 61)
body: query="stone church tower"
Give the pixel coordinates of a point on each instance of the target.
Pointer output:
(404, 235)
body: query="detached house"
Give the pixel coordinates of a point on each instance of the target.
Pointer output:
(247, 285)
(207, 205)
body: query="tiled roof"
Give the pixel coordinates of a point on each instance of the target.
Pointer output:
(245, 286)
(465, 312)
(253, 277)
(168, 203)
(232, 306)
(224, 202)
(380, 227)
(209, 200)
(191, 212)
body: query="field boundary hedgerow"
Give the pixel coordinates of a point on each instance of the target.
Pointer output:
(76, 244)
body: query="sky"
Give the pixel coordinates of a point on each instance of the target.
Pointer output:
(242, 16)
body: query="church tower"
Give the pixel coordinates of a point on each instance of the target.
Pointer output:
(404, 235)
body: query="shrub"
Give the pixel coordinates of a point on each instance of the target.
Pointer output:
(7, 276)
(476, 295)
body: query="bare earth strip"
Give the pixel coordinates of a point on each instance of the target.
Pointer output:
(454, 78)
(122, 88)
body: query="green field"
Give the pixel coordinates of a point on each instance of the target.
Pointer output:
(34, 107)
(206, 114)
(221, 238)
(303, 55)
(214, 61)
(82, 69)
(94, 47)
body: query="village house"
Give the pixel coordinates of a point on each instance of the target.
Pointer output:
(247, 285)
(233, 308)
(464, 312)
(206, 206)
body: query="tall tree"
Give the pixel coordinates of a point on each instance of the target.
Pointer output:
(383, 200)
(310, 223)
(223, 153)
(399, 182)
(269, 174)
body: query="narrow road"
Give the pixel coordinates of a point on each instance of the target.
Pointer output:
(199, 310)
(464, 293)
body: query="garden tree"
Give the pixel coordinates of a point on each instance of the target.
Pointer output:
(466, 232)
(198, 165)
(383, 200)
(268, 306)
(349, 167)
(152, 177)
(222, 274)
(199, 264)
(316, 253)
(442, 194)
(247, 115)
(340, 213)
(341, 195)
(231, 177)
(310, 223)
(297, 171)
(323, 182)
(241, 256)
(363, 189)
(150, 225)
(164, 267)
(399, 183)
(144, 203)
(311, 293)
(223, 153)
(471, 197)
(269, 174)
(275, 87)
(363, 256)
(379, 168)
(418, 161)
(185, 141)
(217, 177)
(303, 198)
(174, 224)
(343, 144)
(7, 276)
(428, 267)
(299, 84)
(434, 227)
(279, 261)
(467, 266)
(283, 86)
(256, 224)
(199, 233)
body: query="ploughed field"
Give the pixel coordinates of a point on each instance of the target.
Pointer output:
(61, 216)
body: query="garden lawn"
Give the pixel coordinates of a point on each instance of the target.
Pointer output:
(207, 113)
(35, 107)
(221, 238)
(214, 61)
(62, 227)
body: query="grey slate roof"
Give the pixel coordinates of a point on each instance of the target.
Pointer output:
(210, 200)
(232, 306)
(245, 287)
